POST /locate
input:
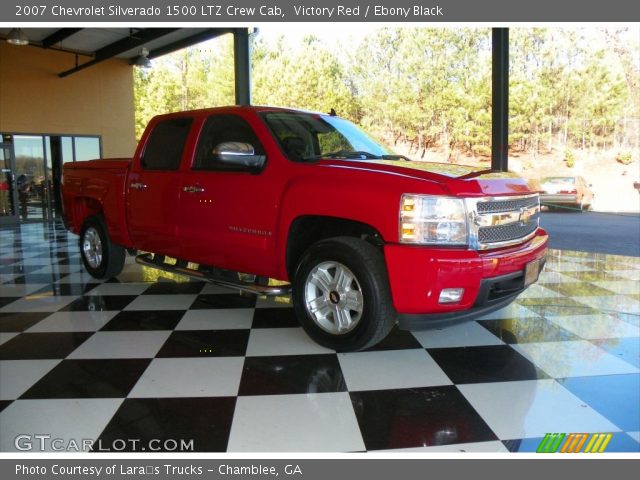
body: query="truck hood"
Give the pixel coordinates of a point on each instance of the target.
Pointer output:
(457, 180)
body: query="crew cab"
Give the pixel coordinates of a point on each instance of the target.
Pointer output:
(276, 201)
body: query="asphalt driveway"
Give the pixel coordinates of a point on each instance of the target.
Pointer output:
(599, 232)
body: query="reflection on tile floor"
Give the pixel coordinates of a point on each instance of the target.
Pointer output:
(152, 356)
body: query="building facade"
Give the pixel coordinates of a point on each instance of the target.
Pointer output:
(46, 121)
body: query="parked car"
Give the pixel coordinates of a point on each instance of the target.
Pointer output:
(573, 192)
(362, 238)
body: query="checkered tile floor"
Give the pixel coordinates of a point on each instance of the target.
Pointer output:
(149, 356)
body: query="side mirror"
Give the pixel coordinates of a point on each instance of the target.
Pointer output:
(240, 154)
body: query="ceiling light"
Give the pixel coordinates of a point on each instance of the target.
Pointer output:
(143, 59)
(17, 37)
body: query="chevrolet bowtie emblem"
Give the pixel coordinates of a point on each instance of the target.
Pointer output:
(525, 215)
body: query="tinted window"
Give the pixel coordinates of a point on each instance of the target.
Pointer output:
(223, 128)
(165, 144)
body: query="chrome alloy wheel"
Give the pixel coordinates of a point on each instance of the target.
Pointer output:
(92, 247)
(333, 297)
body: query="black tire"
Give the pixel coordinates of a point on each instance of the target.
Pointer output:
(366, 263)
(111, 260)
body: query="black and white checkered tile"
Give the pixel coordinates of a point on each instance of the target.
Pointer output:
(151, 357)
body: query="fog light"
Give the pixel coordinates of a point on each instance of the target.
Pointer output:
(451, 295)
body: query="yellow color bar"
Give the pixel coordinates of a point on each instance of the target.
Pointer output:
(598, 443)
(590, 444)
(605, 443)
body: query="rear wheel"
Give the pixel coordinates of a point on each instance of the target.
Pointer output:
(341, 294)
(100, 256)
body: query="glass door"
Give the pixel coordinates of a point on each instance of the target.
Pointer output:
(32, 178)
(8, 197)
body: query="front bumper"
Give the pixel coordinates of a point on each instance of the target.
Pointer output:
(491, 280)
(487, 301)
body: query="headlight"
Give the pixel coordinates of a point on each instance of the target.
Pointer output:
(432, 220)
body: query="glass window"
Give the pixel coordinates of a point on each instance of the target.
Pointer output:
(305, 136)
(166, 143)
(47, 148)
(87, 148)
(219, 129)
(30, 175)
(7, 207)
(67, 149)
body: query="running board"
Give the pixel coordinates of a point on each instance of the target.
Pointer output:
(214, 276)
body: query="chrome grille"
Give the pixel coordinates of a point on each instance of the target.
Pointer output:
(502, 221)
(505, 233)
(497, 206)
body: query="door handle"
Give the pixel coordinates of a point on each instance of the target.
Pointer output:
(138, 186)
(193, 189)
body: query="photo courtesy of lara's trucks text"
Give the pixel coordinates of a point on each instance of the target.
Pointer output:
(363, 239)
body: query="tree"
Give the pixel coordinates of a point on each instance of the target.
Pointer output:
(309, 77)
(427, 87)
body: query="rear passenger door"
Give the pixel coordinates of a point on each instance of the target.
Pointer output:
(153, 188)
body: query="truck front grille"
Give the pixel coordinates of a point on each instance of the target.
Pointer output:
(502, 221)
(498, 206)
(505, 233)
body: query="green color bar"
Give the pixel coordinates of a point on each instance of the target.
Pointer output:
(543, 443)
(550, 443)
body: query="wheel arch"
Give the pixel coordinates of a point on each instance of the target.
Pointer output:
(305, 230)
(83, 208)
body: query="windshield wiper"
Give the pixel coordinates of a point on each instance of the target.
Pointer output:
(396, 157)
(357, 155)
(350, 154)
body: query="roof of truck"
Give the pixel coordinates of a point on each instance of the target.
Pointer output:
(245, 108)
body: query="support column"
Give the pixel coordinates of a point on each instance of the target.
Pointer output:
(500, 100)
(242, 66)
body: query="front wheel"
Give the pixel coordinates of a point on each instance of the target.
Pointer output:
(100, 256)
(341, 294)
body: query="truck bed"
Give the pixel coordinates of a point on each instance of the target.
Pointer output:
(96, 186)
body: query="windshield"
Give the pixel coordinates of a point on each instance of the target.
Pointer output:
(305, 136)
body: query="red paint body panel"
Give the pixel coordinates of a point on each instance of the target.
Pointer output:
(97, 185)
(241, 221)
(418, 274)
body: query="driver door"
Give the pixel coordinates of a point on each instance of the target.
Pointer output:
(227, 211)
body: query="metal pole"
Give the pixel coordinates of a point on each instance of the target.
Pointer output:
(242, 64)
(500, 100)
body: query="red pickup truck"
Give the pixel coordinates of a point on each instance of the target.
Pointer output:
(362, 238)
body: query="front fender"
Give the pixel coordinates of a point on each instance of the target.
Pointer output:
(368, 198)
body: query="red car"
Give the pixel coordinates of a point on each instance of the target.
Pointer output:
(362, 238)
